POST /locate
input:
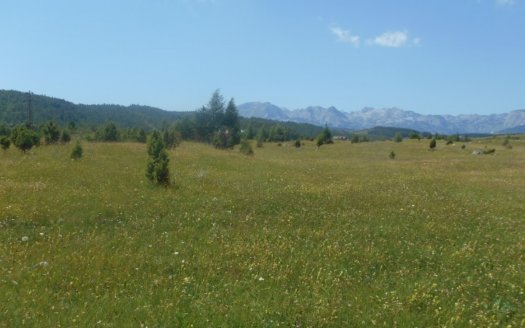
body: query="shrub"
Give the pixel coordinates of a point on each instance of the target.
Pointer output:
(171, 138)
(259, 143)
(246, 148)
(5, 142)
(506, 142)
(398, 137)
(157, 169)
(432, 145)
(355, 138)
(297, 143)
(51, 133)
(325, 137)
(489, 151)
(392, 155)
(24, 138)
(108, 133)
(463, 146)
(65, 137)
(142, 137)
(77, 151)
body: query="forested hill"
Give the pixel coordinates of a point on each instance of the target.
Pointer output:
(14, 104)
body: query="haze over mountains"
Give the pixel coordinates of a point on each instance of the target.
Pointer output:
(512, 122)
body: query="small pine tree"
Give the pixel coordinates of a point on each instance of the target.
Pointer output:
(325, 137)
(246, 148)
(392, 155)
(108, 133)
(77, 151)
(24, 138)
(260, 137)
(398, 137)
(142, 137)
(5, 142)
(65, 137)
(51, 133)
(355, 138)
(297, 143)
(506, 142)
(158, 164)
(432, 144)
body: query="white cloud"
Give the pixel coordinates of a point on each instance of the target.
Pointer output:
(505, 2)
(394, 39)
(345, 36)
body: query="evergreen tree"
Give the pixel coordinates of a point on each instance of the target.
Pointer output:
(325, 137)
(398, 137)
(432, 144)
(24, 138)
(51, 133)
(5, 142)
(171, 138)
(250, 133)
(232, 124)
(141, 136)
(65, 137)
(4, 130)
(392, 155)
(158, 164)
(246, 147)
(108, 133)
(77, 151)
(355, 138)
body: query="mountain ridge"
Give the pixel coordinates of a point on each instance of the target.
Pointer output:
(369, 117)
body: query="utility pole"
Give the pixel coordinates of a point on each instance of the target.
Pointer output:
(29, 112)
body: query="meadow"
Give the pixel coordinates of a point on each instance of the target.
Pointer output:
(340, 236)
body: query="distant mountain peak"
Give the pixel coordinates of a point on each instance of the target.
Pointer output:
(369, 117)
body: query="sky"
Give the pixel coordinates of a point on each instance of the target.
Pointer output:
(431, 57)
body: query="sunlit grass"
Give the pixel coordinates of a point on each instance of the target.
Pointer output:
(336, 236)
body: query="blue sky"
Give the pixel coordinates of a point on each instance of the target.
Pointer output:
(432, 57)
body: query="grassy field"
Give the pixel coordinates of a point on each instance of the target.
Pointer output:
(340, 236)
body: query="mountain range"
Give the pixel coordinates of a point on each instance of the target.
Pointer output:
(511, 122)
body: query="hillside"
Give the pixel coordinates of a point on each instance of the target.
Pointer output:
(14, 104)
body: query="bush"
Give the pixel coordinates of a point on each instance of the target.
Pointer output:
(51, 133)
(297, 143)
(5, 142)
(171, 138)
(355, 138)
(246, 148)
(65, 137)
(398, 137)
(109, 133)
(392, 155)
(157, 169)
(259, 143)
(489, 151)
(325, 137)
(506, 142)
(77, 151)
(432, 145)
(24, 138)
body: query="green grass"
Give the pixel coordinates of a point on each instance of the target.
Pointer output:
(340, 236)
